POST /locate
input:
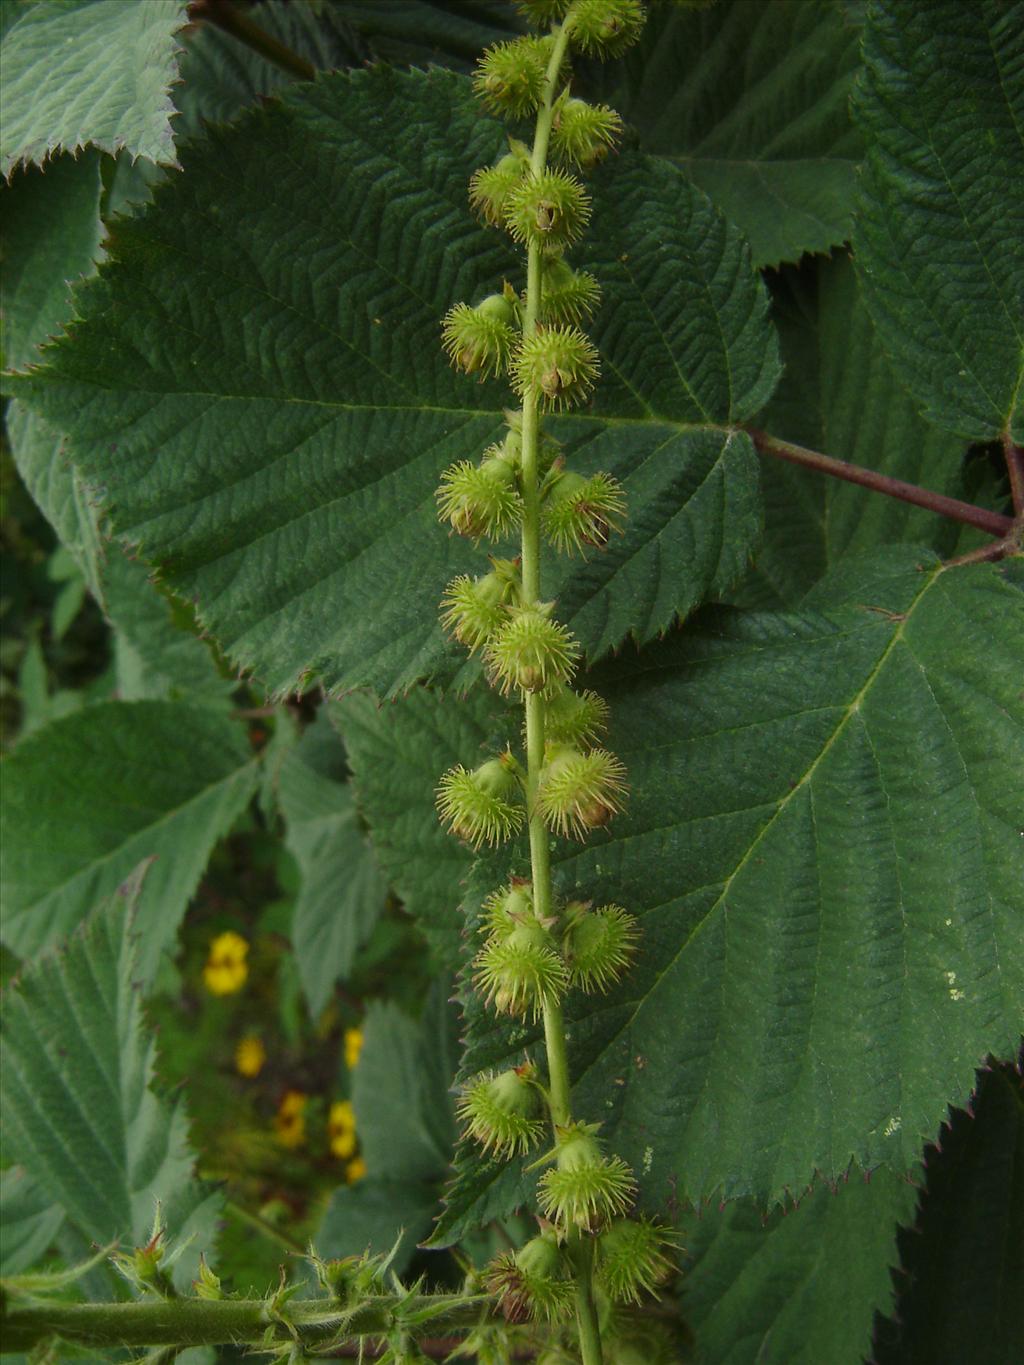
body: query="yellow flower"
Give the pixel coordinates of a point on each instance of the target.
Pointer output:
(250, 1055)
(226, 968)
(355, 1170)
(290, 1119)
(341, 1129)
(353, 1046)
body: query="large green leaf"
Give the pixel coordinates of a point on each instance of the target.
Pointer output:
(823, 845)
(942, 205)
(278, 453)
(89, 797)
(342, 893)
(29, 1218)
(839, 395)
(798, 1288)
(750, 99)
(75, 72)
(78, 1109)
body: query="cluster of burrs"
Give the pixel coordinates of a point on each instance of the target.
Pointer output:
(535, 950)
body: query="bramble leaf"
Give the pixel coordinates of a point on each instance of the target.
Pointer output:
(89, 797)
(750, 100)
(303, 414)
(941, 209)
(822, 845)
(78, 1109)
(80, 72)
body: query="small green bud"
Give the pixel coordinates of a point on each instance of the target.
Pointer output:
(474, 608)
(509, 77)
(606, 27)
(520, 972)
(633, 1258)
(207, 1284)
(579, 791)
(584, 1187)
(558, 364)
(550, 209)
(575, 717)
(568, 296)
(598, 944)
(480, 500)
(534, 1282)
(530, 651)
(490, 187)
(476, 806)
(481, 338)
(582, 511)
(503, 1112)
(583, 133)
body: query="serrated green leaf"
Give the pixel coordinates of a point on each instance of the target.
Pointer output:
(78, 1109)
(963, 1260)
(29, 1218)
(822, 844)
(801, 1287)
(839, 395)
(941, 209)
(75, 72)
(750, 99)
(293, 496)
(342, 893)
(89, 797)
(367, 1217)
(51, 237)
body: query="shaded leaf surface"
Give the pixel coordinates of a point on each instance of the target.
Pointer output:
(78, 1109)
(750, 99)
(823, 846)
(30, 1220)
(941, 212)
(277, 450)
(800, 1287)
(89, 797)
(342, 893)
(75, 72)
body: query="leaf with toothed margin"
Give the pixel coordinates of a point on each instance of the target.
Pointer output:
(269, 416)
(941, 209)
(75, 72)
(823, 848)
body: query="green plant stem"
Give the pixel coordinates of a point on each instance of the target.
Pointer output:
(993, 522)
(200, 1322)
(540, 863)
(232, 20)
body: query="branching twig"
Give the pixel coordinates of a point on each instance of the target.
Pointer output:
(234, 21)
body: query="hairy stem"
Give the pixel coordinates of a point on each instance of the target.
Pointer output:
(540, 867)
(232, 20)
(993, 522)
(200, 1322)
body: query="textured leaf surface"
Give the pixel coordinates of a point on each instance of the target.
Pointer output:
(89, 797)
(823, 845)
(342, 892)
(278, 449)
(30, 1220)
(750, 99)
(419, 32)
(839, 395)
(941, 213)
(800, 1288)
(78, 1111)
(75, 72)
(963, 1261)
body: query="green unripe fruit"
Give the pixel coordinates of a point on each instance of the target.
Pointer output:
(502, 1112)
(490, 187)
(606, 27)
(558, 364)
(509, 77)
(550, 209)
(480, 339)
(482, 806)
(584, 133)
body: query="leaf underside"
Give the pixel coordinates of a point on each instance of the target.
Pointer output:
(269, 421)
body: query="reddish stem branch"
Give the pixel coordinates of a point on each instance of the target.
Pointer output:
(994, 523)
(1015, 468)
(236, 22)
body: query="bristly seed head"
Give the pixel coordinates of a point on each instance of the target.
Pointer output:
(533, 1282)
(582, 511)
(633, 1258)
(482, 806)
(575, 718)
(580, 791)
(585, 1187)
(503, 1112)
(520, 972)
(598, 945)
(509, 77)
(550, 209)
(490, 187)
(473, 609)
(568, 296)
(481, 339)
(583, 133)
(558, 364)
(531, 651)
(606, 27)
(480, 500)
